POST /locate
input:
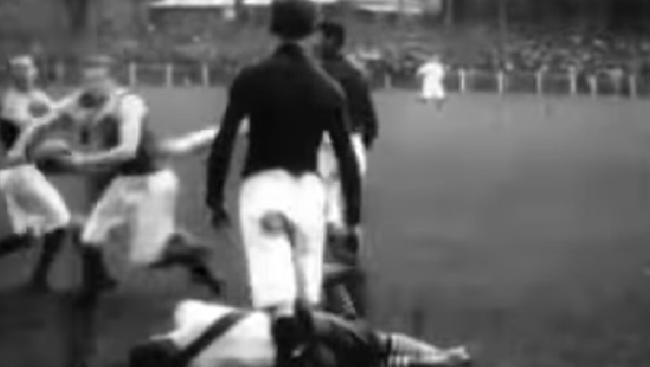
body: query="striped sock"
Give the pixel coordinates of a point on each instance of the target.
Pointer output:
(342, 301)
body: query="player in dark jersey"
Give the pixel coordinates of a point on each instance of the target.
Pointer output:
(140, 190)
(346, 296)
(290, 103)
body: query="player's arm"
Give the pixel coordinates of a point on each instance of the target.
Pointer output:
(338, 130)
(66, 107)
(132, 112)
(37, 127)
(363, 109)
(421, 70)
(191, 143)
(219, 160)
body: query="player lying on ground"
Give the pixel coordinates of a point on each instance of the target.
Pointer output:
(36, 209)
(141, 188)
(251, 339)
(214, 335)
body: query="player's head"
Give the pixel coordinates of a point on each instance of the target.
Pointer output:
(96, 79)
(23, 71)
(293, 20)
(331, 37)
(96, 73)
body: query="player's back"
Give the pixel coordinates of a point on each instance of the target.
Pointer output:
(290, 102)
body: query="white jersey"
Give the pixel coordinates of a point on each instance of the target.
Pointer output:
(23, 108)
(433, 75)
(33, 203)
(248, 344)
(432, 72)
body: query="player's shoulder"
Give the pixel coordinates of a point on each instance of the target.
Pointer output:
(253, 70)
(246, 76)
(354, 64)
(331, 89)
(129, 99)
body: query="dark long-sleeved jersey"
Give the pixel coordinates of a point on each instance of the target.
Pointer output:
(290, 102)
(360, 106)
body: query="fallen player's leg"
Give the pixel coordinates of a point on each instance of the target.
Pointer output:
(405, 351)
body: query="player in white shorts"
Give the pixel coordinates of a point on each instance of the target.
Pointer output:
(290, 103)
(432, 73)
(141, 191)
(36, 209)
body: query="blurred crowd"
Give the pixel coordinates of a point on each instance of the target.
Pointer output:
(523, 49)
(399, 49)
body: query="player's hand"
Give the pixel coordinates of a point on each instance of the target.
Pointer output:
(368, 142)
(220, 217)
(353, 239)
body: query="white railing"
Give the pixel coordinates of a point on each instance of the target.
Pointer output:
(462, 80)
(540, 82)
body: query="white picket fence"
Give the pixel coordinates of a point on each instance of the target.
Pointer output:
(459, 80)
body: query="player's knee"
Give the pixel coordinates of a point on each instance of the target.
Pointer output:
(153, 353)
(274, 223)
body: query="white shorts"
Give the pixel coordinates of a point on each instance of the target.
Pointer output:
(329, 170)
(301, 201)
(147, 204)
(434, 91)
(33, 203)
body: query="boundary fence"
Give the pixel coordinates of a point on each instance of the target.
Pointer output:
(193, 74)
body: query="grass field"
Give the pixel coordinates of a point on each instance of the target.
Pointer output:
(518, 225)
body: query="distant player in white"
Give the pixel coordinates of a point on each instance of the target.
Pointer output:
(432, 73)
(36, 208)
(141, 188)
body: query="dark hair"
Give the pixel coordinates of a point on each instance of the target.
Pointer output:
(334, 31)
(293, 19)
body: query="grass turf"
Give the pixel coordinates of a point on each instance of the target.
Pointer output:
(519, 225)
